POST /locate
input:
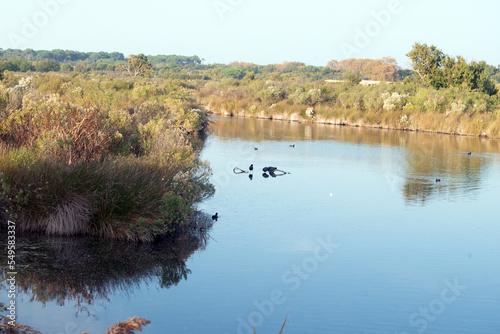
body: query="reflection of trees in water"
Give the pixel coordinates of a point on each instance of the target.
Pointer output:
(255, 130)
(445, 158)
(85, 269)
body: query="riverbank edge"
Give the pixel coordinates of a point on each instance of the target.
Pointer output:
(298, 118)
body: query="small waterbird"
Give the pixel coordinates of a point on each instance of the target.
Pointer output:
(470, 153)
(292, 145)
(438, 180)
(251, 167)
(269, 169)
(216, 216)
(255, 148)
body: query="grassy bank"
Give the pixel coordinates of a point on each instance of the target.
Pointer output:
(101, 155)
(401, 105)
(442, 94)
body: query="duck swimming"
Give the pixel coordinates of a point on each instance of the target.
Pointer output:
(216, 216)
(251, 167)
(269, 169)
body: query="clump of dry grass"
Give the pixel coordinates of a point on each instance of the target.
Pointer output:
(69, 218)
(6, 328)
(128, 326)
(124, 199)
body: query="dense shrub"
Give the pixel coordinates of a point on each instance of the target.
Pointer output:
(95, 154)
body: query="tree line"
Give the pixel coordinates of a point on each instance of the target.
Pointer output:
(430, 67)
(58, 55)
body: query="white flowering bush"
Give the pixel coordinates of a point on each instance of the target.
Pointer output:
(404, 120)
(310, 112)
(17, 92)
(393, 101)
(274, 91)
(312, 96)
(456, 107)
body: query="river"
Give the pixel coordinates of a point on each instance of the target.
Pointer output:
(358, 236)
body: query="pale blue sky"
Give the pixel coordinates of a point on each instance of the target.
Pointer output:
(258, 31)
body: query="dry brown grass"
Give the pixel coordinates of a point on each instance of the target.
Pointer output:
(128, 326)
(69, 218)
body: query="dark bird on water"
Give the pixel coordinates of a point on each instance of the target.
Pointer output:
(269, 169)
(470, 153)
(255, 148)
(250, 176)
(438, 180)
(292, 145)
(265, 175)
(214, 217)
(251, 167)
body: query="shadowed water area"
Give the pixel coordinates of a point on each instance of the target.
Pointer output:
(357, 237)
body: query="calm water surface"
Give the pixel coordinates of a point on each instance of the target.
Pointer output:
(357, 238)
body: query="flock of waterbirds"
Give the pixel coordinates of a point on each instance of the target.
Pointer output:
(271, 171)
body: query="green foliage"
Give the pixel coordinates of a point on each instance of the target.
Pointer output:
(234, 73)
(102, 151)
(352, 78)
(58, 55)
(175, 209)
(438, 70)
(139, 65)
(174, 59)
(66, 68)
(47, 65)
(427, 62)
(16, 65)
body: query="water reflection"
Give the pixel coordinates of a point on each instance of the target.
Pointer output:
(457, 161)
(257, 130)
(459, 173)
(84, 269)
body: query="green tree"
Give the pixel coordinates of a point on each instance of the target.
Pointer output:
(426, 61)
(10, 65)
(456, 72)
(66, 67)
(480, 78)
(439, 70)
(352, 78)
(47, 65)
(139, 65)
(232, 72)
